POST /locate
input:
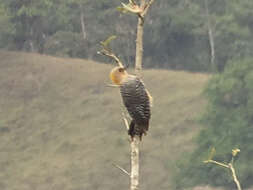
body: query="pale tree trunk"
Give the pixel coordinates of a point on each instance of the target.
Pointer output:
(211, 37)
(135, 141)
(134, 176)
(83, 24)
(139, 47)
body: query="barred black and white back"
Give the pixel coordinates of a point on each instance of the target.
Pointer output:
(137, 101)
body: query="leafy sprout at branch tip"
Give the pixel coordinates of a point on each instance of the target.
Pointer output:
(105, 50)
(107, 42)
(235, 151)
(212, 153)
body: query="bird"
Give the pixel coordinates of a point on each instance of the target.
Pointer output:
(136, 99)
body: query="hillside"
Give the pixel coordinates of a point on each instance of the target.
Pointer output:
(61, 126)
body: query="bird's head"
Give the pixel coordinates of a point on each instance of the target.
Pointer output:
(118, 74)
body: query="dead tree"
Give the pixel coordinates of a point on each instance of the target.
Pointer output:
(140, 9)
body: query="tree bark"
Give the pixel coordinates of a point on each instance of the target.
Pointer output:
(139, 47)
(139, 43)
(134, 176)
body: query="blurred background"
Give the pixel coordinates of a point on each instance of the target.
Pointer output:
(60, 123)
(176, 31)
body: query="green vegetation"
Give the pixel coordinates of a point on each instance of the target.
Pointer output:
(227, 124)
(227, 165)
(61, 127)
(176, 31)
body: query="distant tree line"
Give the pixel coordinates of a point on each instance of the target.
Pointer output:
(228, 118)
(226, 124)
(177, 36)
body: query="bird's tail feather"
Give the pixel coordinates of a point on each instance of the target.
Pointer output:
(135, 129)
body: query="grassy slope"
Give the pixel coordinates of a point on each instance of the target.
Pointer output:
(61, 127)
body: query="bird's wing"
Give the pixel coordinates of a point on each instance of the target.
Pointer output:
(136, 100)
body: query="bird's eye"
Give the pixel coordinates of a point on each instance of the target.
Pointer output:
(121, 70)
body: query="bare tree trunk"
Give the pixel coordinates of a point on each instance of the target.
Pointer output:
(134, 176)
(211, 37)
(83, 24)
(139, 47)
(139, 42)
(135, 141)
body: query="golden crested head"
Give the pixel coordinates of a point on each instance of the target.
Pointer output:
(118, 74)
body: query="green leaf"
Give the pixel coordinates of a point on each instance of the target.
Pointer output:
(108, 40)
(122, 9)
(235, 151)
(211, 154)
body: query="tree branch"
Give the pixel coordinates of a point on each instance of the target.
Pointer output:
(217, 163)
(147, 6)
(125, 121)
(228, 166)
(108, 53)
(231, 167)
(122, 169)
(112, 85)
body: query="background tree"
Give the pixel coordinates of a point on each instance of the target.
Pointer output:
(227, 123)
(177, 32)
(28, 19)
(7, 28)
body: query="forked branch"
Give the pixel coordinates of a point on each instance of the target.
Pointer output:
(106, 50)
(147, 6)
(133, 7)
(225, 165)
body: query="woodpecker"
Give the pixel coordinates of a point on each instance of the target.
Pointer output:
(136, 99)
